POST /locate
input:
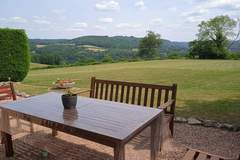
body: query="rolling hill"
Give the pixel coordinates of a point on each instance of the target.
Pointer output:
(85, 48)
(120, 42)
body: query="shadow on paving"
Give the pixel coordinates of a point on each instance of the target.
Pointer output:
(31, 147)
(227, 110)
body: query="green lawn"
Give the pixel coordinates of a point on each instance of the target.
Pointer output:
(206, 88)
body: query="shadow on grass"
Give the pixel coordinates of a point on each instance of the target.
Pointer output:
(227, 110)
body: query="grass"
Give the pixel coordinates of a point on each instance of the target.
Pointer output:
(207, 89)
(37, 66)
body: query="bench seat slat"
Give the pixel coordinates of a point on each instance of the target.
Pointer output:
(189, 155)
(202, 156)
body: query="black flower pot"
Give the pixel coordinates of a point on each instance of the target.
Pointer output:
(69, 101)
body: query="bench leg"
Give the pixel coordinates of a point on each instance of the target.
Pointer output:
(7, 140)
(119, 152)
(54, 132)
(171, 126)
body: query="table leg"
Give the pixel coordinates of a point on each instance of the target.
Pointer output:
(119, 152)
(161, 131)
(155, 138)
(7, 140)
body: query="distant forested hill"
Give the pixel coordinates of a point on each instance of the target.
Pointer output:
(119, 42)
(85, 48)
(236, 46)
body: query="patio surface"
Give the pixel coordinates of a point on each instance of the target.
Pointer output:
(67, 147)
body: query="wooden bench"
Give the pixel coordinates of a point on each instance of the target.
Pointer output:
(149, 95)
(193, 154)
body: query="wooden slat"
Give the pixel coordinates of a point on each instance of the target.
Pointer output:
(145, 97)
(135, 84)
(159, 97)
(139, 95)
(106, 92)
(5, 96)
(111, 92)
(5, 87)
(201, 156)
(152, 97)
(101, 90)
(189, 155)
(122, 93)
(8, 90)
(166, 95)
(96, 91)
(133, 94)
(127, 95)
(116, 92)
(92, 87)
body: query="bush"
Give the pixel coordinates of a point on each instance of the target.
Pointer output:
(14, 54)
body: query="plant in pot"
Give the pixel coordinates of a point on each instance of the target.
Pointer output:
(69, 100)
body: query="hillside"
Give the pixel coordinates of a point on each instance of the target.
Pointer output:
(117, 42)
(88, 48)
(236, 46)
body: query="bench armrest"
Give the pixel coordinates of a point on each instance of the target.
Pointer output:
(84, 91)
(166, 104)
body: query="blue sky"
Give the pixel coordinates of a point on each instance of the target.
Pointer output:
(175, 20)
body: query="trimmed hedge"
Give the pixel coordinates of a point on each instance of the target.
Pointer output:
(14, 54)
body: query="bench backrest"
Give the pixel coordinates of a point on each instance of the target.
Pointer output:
(150, 95)
(7, 91)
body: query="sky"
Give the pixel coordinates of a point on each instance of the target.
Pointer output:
(176, 20)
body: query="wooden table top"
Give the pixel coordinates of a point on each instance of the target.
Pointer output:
(111, 119)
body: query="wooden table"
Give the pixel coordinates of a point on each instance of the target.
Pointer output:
(109, 123)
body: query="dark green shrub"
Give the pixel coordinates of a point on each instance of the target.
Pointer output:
(14, 54)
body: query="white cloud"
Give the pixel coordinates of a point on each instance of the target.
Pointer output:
(207, 5)
(128, 26)
(18, 20)
(81, 25)
(107, 6)
(40, 20)
(100, 27)
(197, 12)
(140, 4)
(223, 4)
(204, 9)
(105, 20)
(157, 21)
(194, 19)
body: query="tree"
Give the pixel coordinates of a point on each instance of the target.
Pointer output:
(14, 54)
(213, 38)
(149, 45)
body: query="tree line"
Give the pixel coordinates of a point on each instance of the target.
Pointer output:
(214, 39)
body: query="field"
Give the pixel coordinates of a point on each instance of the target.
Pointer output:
(206, 88)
